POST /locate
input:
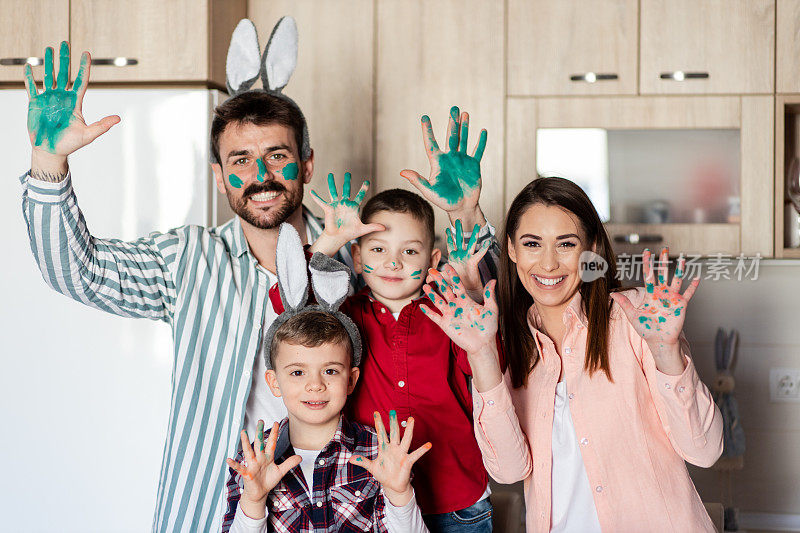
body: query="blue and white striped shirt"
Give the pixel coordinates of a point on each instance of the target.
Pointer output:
(205, 284)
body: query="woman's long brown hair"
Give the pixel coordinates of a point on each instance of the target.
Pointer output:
(514, 301)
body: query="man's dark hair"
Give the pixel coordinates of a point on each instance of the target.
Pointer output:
(259, 108)
(311, 329)
(401, 201)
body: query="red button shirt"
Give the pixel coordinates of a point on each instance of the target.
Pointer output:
(411, 366)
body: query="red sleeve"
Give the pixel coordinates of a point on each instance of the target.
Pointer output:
(275, 293)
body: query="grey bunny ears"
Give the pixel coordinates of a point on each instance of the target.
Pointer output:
(330, 281)
(245, 64)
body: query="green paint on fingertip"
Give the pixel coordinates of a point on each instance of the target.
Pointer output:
(456, 279)
(290, 171)
(235, 181)
(650, 288)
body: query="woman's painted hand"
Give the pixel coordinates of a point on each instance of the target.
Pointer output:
(392, 467)
(470, 325)
(466, 258)
(659, 318)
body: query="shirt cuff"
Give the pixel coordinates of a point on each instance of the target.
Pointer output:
(245, 523)
(680, 387)
(46, 192)
(493, 402)
(404, 512)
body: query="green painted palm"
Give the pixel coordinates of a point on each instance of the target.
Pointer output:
(55, 120)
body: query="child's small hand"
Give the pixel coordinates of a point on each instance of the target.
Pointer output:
(392, 467)
(470, 325)
(465, 260)
(259, 471)
(454, 183)
(342, 223)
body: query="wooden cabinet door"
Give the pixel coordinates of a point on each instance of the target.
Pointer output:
(431, 56)
(787, 46)
(572, 47)
(167, 38)
(711, 46)
(30, 26)
(333, 82)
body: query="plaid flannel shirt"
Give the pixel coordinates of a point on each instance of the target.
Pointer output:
(344, 498)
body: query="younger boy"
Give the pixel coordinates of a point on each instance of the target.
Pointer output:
(332, 475)
(410, 365)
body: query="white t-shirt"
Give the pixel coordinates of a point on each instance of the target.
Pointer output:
(261, 403)
(573, 506)
(307, 466)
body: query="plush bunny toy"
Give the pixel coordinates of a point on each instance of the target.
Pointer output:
(725, 357)
(245, 64)
(330, 281)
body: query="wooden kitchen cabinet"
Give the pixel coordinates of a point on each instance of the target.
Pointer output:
(30, 26)
(749, 118)
(170, 40)
(707, 47)
(787, 46)
(572, 47)
(431, 56)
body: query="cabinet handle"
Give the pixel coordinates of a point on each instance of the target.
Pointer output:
(680, 75)
(12, 61)
(591, 77)
(635, 238)
(114, 61)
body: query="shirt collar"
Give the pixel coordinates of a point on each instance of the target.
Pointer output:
(574, 309)
(239, 243)
(343, 437)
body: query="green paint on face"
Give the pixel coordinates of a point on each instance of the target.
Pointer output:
(650, 288)
(458, 312)
(235, 181)
(290, 171)
(262, 170)
(416, 274)
(368, 269)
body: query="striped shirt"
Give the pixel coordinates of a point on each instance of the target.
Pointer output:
(205, 284)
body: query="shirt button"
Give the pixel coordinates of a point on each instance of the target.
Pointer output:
(580, 325)
(667, 386)
(567, 350)
(322, 461)
(544, 415)
(247, 373)
(584, 441)
(490, 402)
(681, 388)
(358, 493)
(401, 384)
(276, 504)
(571, 395)
(598, 488)
(383, 310)
(319, 504)
(403, 423)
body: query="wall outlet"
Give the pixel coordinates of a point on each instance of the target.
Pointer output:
(784, 384)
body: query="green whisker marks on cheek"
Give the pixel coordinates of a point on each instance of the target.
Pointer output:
(290, 171)
(368, 269)
(262, 170)
(416, 274)
(235, 181)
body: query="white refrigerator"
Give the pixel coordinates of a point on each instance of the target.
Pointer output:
(85, 395)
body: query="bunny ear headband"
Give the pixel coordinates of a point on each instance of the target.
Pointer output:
(330, 281)
(245, 64)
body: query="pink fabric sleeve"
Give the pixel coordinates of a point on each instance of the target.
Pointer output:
(503, 444)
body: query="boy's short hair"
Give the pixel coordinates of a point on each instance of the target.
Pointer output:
(311, 329)
(401, 201)
(259, 108)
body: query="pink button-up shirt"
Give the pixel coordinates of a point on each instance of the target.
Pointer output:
(634, 433)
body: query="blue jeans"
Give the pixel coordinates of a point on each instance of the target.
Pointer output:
(476, 518)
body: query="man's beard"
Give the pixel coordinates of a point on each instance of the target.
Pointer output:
(290, 203)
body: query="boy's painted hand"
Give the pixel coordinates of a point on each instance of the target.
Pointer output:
(465, 259)
(55, 118)
(392, 467)
(659, 318)
(259, 471)
(470, 325)
(454, 183)
(342, 223)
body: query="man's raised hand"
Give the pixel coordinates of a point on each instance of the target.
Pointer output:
(55, 119)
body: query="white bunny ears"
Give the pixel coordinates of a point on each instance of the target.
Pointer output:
(330, 281)
(245, 64)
